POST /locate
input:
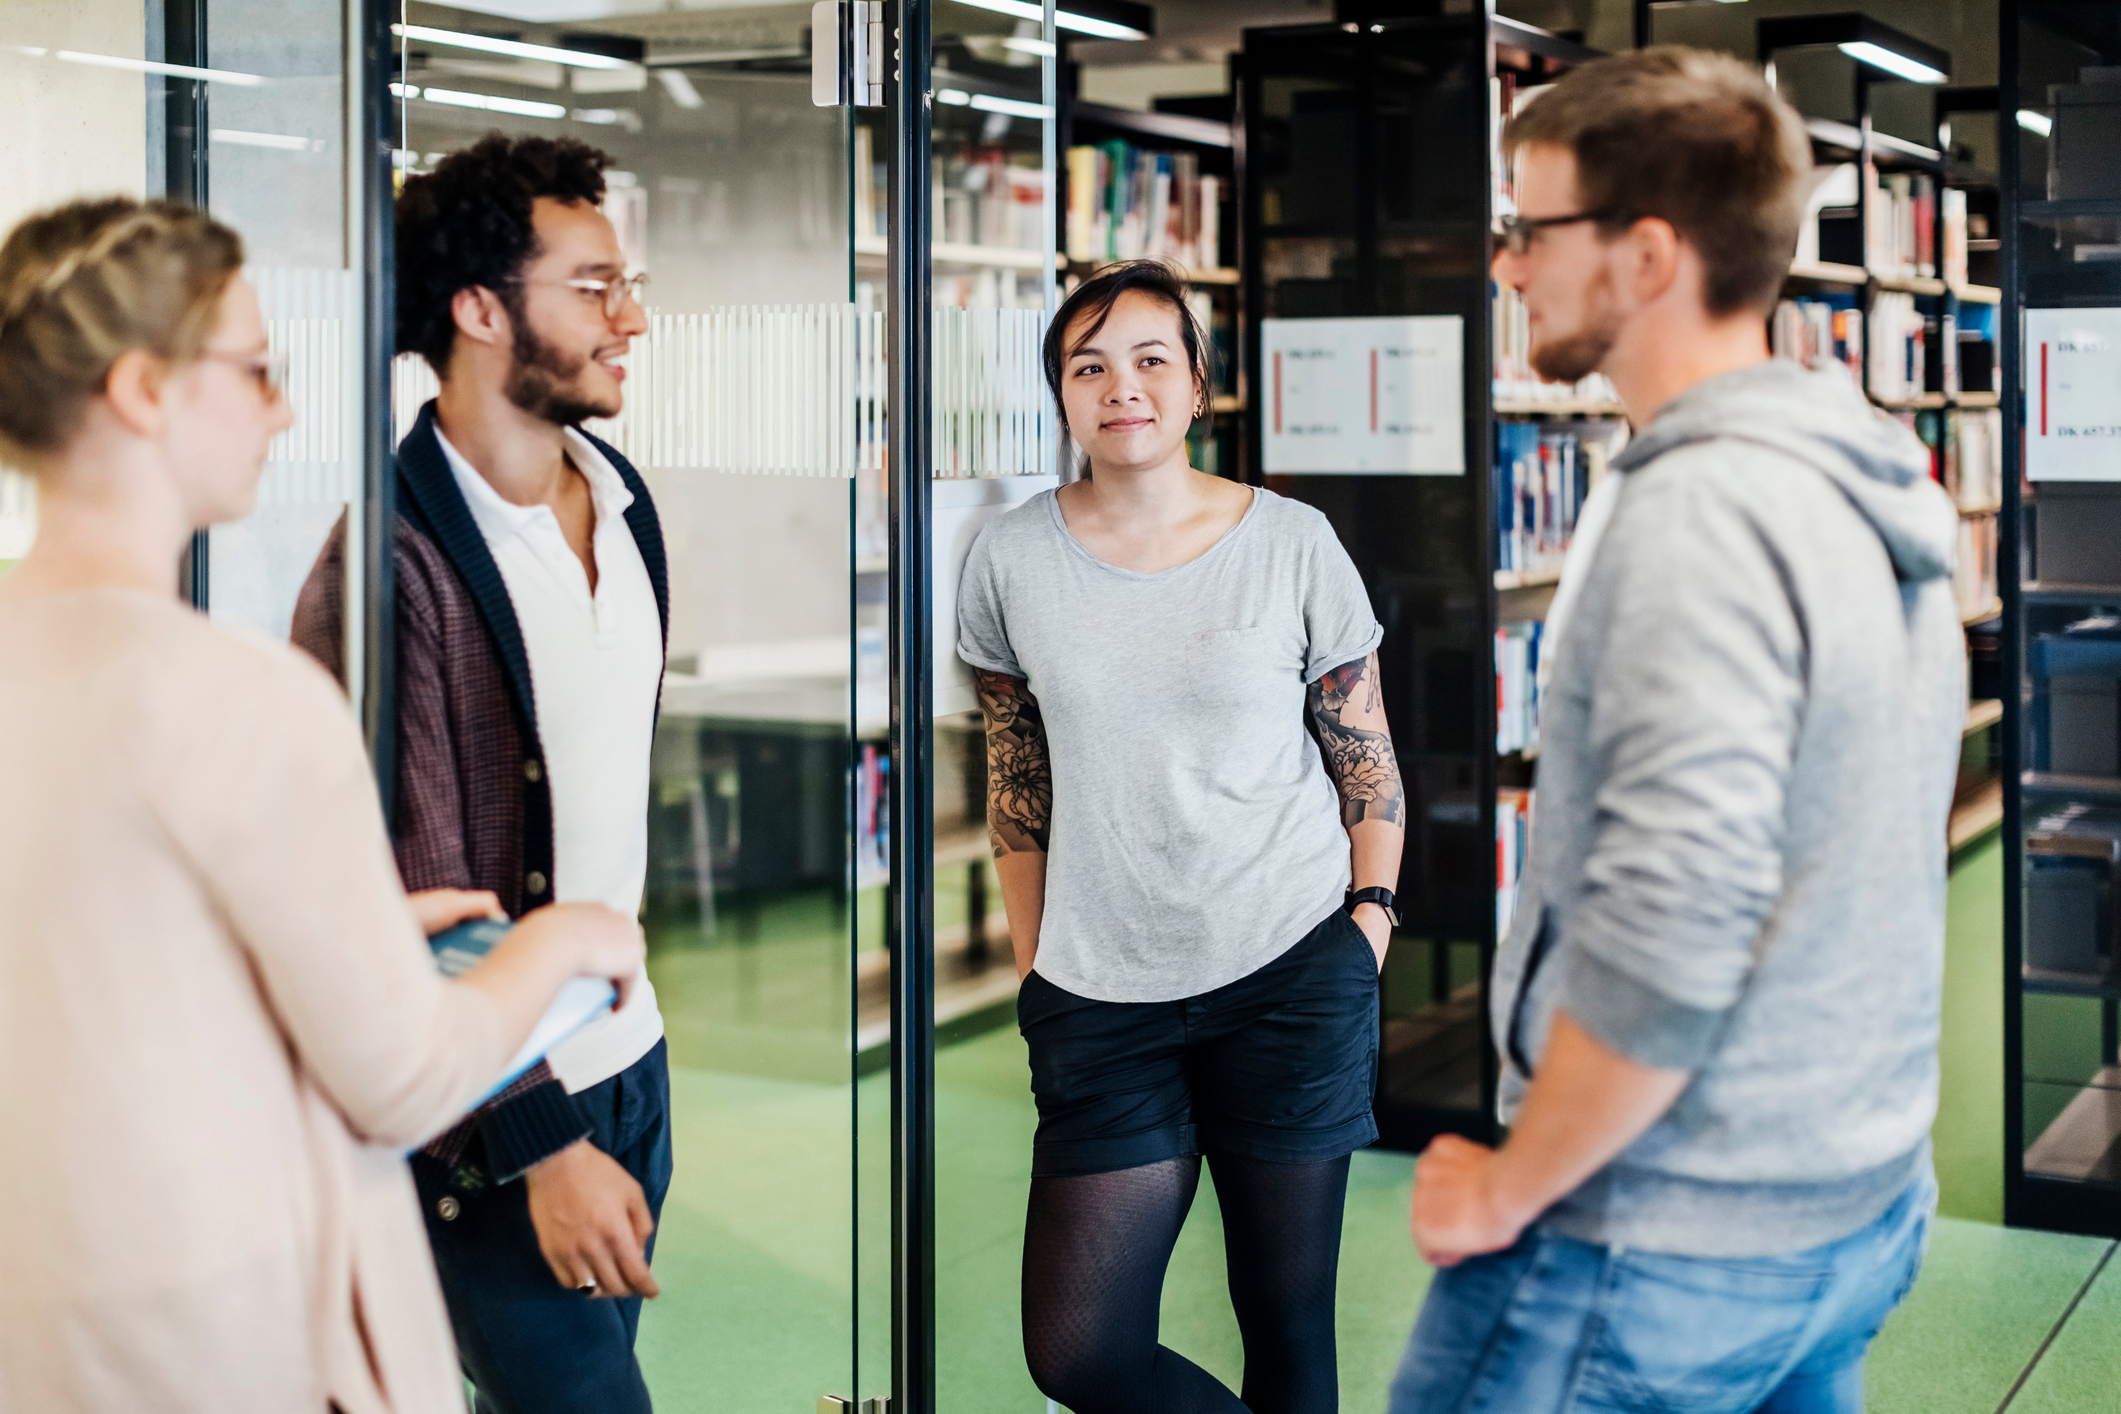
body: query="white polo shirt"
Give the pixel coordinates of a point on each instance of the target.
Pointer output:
(595, 662)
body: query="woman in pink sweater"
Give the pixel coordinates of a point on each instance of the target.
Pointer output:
(220, 1025)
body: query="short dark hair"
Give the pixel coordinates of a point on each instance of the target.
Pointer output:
(1093, 299)
(467, 223)
(1694, 138)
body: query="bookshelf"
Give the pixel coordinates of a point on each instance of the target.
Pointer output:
(2060, 224)
(1161, 185)
(1883, 283)
(1367, 190)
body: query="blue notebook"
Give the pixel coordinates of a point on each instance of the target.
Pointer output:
(459, 949)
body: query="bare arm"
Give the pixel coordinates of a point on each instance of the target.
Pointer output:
(1019, 804)
(1348, 713)
(1586, 1104)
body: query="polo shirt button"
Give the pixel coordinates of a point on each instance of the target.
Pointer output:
(448, 1209)
(534, 882)
(532, 771)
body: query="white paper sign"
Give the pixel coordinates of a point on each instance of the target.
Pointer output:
(1364, 397)
(2073, 394)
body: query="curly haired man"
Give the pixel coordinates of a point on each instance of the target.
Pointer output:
(532, 614)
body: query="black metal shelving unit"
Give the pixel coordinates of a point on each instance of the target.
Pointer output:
(1365, 148)
(2061, 576)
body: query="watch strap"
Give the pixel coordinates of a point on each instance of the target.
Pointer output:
(1378, 895)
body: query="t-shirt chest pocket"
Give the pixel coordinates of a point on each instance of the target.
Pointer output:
(1233, 667)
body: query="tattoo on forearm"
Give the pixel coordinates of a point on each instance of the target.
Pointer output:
(1019, 770)
(1361, 761)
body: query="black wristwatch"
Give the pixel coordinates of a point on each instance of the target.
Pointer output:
(1381, 897)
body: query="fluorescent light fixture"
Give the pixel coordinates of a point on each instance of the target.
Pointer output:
(1879, 57)
(514, 49)
(150, 66)
(724, 56)
(601, 116)
(1062, 19)
(2036, 122)
(404, 90)
(955, 97)
(493, 103)
(282, 141)
(679, 88)
(1029, 46)
(1015, 108)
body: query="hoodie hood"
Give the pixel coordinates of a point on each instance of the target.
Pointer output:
(1820, 417)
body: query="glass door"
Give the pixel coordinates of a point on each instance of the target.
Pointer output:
(754, 413)
(241, 106)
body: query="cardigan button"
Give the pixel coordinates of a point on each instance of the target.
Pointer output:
(448, 1209)
(532, 771)
(534, 883)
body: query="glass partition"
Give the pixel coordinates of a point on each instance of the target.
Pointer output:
(754, 413)
(266, 151)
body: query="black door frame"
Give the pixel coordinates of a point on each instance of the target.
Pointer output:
(910, 912)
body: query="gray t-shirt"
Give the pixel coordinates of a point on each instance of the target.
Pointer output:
(1196, 835)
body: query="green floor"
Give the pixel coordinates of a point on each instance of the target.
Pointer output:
(763, 1286)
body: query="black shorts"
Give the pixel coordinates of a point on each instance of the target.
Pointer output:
(1278, 1065)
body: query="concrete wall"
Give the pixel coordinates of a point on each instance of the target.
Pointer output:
(73, 130)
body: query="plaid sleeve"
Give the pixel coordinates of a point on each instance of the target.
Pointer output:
(428, 832)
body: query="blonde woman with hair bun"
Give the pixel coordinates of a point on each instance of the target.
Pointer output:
(219, 1021)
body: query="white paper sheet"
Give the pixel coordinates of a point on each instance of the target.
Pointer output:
(1364, 397)
(2073, 394)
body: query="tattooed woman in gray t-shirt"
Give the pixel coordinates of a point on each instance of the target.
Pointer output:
(1197, 819)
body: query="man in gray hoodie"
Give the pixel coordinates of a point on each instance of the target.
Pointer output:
(1718, 1006)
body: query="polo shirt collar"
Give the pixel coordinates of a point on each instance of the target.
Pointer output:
(499, 518)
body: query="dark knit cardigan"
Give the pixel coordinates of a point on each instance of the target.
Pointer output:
(474, 803)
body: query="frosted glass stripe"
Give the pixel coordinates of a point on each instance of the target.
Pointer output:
(312, 318)
(802, 390)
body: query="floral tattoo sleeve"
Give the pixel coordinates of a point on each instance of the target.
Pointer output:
(1347, 709)
(1019, 770)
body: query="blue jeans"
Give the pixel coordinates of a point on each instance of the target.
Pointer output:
(527, 1344)
(1557, 1326)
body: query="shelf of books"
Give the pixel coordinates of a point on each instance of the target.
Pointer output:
(2059, 646)
(1158, 186)
(1882, 286)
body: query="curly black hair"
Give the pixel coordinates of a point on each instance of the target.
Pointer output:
(467, 223)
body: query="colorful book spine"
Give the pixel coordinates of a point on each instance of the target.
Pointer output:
(1513, 826)
(1131, 203)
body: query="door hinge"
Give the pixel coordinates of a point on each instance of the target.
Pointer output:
(847, 53)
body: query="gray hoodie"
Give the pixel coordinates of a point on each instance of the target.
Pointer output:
(1737, 861)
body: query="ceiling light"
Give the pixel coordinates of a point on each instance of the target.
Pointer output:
(514, 49)
(1062, 19)
(404, 90)
(679, 88)
(1029, 46)
(493, 103)
(1015, 108)
(2036, 122)
(1879, 57)
(150, 66)
(956, 97)
(283, 141)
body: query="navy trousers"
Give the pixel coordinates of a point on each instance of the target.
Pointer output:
(528, 1345)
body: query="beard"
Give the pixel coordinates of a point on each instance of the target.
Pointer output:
(544, 381)
(1578, 354)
